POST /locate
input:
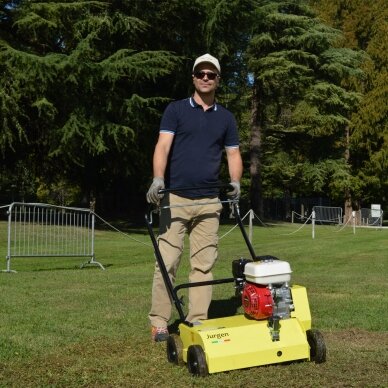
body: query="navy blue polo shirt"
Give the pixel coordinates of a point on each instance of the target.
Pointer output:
(199, 139)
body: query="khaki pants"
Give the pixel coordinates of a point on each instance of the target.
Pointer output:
(201, 223)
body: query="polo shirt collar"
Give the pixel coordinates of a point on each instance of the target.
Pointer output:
(195, 105)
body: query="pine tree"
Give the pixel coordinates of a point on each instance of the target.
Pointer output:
(365, 26)
(78, 92)
(304, 97)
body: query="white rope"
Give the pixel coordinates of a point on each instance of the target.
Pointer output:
(261, 222)
(298, 215)
(302, 226)
(284, 234)
(149, 245)
(124, 234)
(344, 225)
(234, 227)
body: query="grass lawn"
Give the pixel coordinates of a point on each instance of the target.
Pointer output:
(61, 326)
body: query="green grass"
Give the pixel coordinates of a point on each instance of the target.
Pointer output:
(61, 326)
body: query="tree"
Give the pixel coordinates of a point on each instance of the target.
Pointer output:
(86, 83)
(77, 90)
(303, 99)
(365, 26)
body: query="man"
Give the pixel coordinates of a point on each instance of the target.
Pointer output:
(193, 133)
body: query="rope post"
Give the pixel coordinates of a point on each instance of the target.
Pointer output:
(354, 221)
(250, 225)
(313, 224)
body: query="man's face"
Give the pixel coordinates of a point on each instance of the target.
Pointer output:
(202, 83)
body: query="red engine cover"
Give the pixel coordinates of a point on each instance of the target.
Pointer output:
(257, 301)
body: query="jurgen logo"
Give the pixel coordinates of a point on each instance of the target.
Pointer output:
(217, 336)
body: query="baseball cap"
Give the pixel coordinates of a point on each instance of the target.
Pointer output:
(207, 58)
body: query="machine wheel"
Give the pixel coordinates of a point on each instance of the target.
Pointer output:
(175, 349)
(196, 361)
(317, 346)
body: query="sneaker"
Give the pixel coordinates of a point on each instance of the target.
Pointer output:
(159, 334)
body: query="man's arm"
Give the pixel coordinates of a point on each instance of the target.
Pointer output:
(235, 171)
(162, 149)
(235, 164)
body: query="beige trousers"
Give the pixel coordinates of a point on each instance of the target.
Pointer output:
(201, 222)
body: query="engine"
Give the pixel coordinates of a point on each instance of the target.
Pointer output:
(264, 287)
(257, 301)
(267, 301)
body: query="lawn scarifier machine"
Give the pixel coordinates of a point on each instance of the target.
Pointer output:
(275, 326)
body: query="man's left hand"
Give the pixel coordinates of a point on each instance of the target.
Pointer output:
(235, 193)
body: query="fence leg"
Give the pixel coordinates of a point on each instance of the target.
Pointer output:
(8, 270)
(92, 262)
(9, 242)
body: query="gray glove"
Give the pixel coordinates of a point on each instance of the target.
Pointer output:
(235, 193)
(153, 195)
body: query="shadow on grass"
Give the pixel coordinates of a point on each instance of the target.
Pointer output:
(70, 268)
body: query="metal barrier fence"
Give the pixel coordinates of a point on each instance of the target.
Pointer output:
(328, 214)
(42, 230)
(369, 217)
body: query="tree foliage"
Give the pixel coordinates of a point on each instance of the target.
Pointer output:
(84, 84)
(305, 90)
(365, 26)
(77, 90)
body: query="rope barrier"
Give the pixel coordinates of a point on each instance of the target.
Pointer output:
(124, 234)
(229, 231)
(148, 244)
(234, 227)
(284, 234)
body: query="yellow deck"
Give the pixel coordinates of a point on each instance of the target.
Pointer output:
(238, 342)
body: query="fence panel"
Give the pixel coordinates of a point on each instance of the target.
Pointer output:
(369, 217)
(328, 214)
(42, 230)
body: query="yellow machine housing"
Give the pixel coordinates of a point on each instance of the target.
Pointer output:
(238, 342)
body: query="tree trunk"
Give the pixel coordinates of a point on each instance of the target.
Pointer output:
(256, 198)
(348, 208)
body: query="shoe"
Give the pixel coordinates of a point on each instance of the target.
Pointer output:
(159, 334)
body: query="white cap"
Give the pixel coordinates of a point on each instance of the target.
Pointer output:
(207, 58)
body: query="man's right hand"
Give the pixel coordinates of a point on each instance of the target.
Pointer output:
(153, 195)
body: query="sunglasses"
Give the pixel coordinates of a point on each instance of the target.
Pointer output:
(210, 75)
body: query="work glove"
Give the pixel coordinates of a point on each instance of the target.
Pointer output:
(153, 195)
(235, 193)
